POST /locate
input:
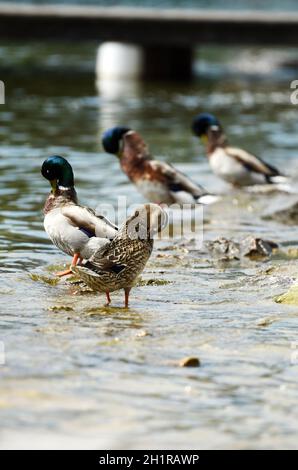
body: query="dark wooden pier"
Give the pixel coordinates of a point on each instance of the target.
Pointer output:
(168, 36)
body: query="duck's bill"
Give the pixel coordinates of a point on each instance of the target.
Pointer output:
(54, 185)
(204, 139)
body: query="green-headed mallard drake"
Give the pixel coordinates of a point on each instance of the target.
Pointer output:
(234, 165)
(74, 229)
(118, 264)
(159, 182)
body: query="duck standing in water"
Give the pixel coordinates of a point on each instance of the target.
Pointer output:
(74, 229)
(234, 165)
(159, 182)
(118, 264)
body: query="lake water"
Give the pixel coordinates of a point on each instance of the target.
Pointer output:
(286, 5)
(79, 375)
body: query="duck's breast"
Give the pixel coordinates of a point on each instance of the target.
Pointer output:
(65, 236)
(231, 170)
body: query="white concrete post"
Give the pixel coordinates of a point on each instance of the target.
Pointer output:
(117, 60)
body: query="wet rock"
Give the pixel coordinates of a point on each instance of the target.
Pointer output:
(292, 253)
(269, 271)
(257, 248)
(190, 362)
(288, 216)
(224, 249)
(152, 282)
(290, 297)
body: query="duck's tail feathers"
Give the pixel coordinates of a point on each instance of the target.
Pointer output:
(207, 199)
(287, 188)
(283, 183)
(279, 179)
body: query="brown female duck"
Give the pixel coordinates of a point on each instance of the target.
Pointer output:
(118, 264)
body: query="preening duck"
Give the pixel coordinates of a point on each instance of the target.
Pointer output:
(159, 182)
(118, 264)
(74, 229)
(234, 165)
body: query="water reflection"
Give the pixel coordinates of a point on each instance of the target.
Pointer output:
(115, 96)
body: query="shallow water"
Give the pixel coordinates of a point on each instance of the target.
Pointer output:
(80, 375)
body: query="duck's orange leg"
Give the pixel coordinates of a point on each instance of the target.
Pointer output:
(108, 298)
(126, 293)
(73, 263)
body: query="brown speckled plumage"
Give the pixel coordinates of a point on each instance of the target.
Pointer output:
(118, 264)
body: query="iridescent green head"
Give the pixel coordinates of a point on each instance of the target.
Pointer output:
(58, 172)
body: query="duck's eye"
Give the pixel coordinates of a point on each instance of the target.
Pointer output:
(137, 213)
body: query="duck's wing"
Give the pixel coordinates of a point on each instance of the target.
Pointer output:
(108, 259)
(86, 219)
(251, 162)
(175, 180)
(105, 265)
(183, 189)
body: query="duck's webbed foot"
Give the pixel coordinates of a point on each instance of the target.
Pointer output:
(76, 258)
(63, 273)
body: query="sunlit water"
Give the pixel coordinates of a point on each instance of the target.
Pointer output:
(94, 377)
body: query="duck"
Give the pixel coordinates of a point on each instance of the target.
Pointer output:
(118, 264)
(74, 229)
(159, 182)
(234, 165)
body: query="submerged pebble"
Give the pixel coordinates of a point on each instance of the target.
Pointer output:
(190, 362)
(58, 308)
(142, 334)
(266, 321)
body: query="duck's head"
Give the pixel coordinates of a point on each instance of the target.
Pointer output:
(203, 123)
(112, 139)
(146, 221)
(58, 172)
